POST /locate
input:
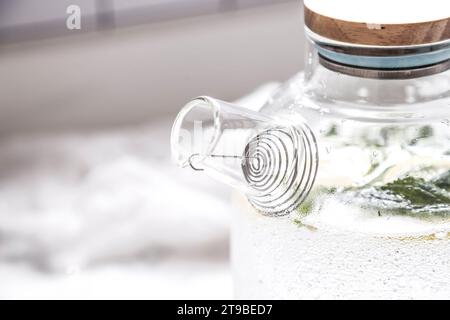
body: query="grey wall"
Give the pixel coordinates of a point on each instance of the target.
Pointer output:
(138, 73)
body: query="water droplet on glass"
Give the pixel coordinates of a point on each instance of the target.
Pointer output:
(410, 93)
(310, 59)
(363, 92)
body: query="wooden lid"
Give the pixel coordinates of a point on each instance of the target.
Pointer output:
(380, 22)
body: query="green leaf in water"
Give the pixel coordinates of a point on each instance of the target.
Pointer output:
(443, 181)
(300, 224)
(307, 205)
(333, 131)
(424, 132)
(419, 192)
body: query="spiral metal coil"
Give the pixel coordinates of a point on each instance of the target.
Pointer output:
(280, 166)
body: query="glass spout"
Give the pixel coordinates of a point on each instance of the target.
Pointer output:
(273, 161)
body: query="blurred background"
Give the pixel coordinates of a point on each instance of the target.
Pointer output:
(90, 204)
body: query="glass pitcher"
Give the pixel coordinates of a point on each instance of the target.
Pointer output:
(345, 170)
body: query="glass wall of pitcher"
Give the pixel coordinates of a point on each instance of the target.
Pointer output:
(376, 223)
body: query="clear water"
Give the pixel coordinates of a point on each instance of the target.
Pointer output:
(340, 253)
(365, 239)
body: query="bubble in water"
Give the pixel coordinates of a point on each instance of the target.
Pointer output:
(323, 111)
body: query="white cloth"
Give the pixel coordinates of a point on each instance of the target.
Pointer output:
(110, 210)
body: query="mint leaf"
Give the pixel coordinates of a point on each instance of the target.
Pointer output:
(419, 192)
